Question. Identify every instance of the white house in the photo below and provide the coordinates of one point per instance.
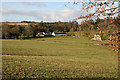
(59, 34)
(53, 34)
(43, 33)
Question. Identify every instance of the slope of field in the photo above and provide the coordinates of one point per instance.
(57, 57)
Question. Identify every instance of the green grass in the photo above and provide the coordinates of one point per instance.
(57, 57)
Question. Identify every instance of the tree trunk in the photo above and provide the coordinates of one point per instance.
(3, 37)
(34, 35)
(15, 37)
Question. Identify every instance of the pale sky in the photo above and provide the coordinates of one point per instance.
(39, 11)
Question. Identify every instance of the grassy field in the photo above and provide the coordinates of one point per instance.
(57, 57)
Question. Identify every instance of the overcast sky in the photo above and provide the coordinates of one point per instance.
(39, 11)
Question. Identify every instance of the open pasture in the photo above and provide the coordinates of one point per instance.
(57, 57)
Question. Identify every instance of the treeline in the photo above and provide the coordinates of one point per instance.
(102, 27)
(32, 29)
(86, 28)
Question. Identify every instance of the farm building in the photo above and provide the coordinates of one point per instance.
(51, 34)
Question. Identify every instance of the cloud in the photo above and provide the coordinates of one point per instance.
(38, 4)
(63, 15)
(1, 20)
(43, 15)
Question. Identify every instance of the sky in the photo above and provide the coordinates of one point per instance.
(39, 11)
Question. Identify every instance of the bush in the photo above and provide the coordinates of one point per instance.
(71, 33)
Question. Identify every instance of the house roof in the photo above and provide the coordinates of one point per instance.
(60, 33)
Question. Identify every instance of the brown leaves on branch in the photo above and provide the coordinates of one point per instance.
(103, 9)
(100, 8)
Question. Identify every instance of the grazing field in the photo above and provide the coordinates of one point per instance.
(57, 57)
